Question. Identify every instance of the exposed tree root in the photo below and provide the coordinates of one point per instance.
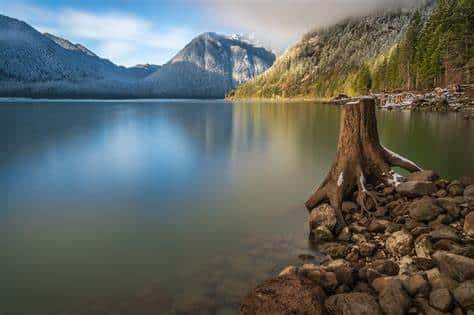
(360, 159)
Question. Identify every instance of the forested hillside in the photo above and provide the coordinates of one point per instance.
(415, 49)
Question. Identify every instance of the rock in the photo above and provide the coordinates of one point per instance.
(378, 226)
(441, 299)
(284, 295)
(388, 190)
(455, 188)
(400, 243)
(457, 267)
(469, 192)
(423, 263)
(290, 270)
(438, 280)
(366, 249)
(322, 234)
(444, 232)
(450, 206)
(345, 235)
(427, 308)
(415, 284)
(335, 250)
(343, 271)
(419, 230)
(319, 276)
(464, 294)
(424, 209)
(467, 180)
(416, 189)
(441, 193)
(469, 224)
(393, 299)
(423, 246)
(323, 216)
(423, 176)
(353, 304)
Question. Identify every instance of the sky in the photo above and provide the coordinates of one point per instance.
(130, 32)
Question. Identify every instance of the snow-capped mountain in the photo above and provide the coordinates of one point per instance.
(44, 65)
(210, 66)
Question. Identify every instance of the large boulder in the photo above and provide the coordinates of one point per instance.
(416, 188)
(441, 299)
(469, 192)
(284, 295)
(469, 224)
(423, 176)
(458, 267)
(353, 304)
(444, 232)
(323, 216)
(400, 243)
(464, 294)
(424, 209)
(393, 298)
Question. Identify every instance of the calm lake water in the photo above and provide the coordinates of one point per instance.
(146, 207)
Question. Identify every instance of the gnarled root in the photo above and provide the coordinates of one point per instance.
(360, 156)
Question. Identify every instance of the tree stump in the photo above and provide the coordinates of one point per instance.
(360, 159)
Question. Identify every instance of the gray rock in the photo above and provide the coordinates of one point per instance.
(439, 281)
(378, 226)
(464, 294)
(416, 189)
(353, 304)
(393, 299)
(423, 176)
(457, 267)
(455, 188)
(424, 209)
(469, 224)
(400, 243)
(469, 192)
(444, 232)
(415, 284)
(441, 299)
(323, 215)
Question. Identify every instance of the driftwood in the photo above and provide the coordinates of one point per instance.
(360, 160)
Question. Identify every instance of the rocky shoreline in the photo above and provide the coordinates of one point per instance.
(456, 98)
(413, 253)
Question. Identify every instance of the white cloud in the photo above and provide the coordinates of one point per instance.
(117, 36)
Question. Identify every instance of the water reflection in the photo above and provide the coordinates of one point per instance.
(123, 206)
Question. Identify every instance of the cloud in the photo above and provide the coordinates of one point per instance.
(284, 21)
(115, 35)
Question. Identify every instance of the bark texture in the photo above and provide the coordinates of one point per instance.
(360, 159)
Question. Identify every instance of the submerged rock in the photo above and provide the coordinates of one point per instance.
(284, 295)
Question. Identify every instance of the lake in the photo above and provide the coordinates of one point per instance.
(173, 206)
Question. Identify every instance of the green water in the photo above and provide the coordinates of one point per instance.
(146, 207)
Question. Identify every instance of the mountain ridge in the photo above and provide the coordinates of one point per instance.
(44, 65)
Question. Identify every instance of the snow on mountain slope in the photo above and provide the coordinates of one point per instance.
(210, 66)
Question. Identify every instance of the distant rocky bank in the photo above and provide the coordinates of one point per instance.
(456, 98)
(413, 253)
